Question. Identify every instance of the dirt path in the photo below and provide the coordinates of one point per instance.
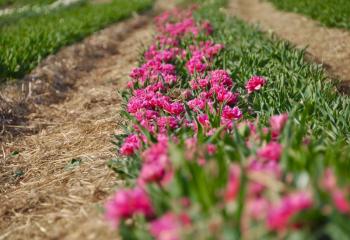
(328, 46)
(43, 196)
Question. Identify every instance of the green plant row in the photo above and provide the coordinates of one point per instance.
(32, 12)
(315, 141)
(24, 44)
(297, 83)
(299, 87)
(18, 3)
(332, 13)
(318, 112)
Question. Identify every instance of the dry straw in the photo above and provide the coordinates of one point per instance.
(54, 182)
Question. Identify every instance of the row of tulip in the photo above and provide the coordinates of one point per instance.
(201, 164)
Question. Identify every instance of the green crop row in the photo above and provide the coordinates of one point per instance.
(333, 13)
(18, 3)
(24, 44)
(318, 112)
(298, 86)
(315, 141)
(12, 19)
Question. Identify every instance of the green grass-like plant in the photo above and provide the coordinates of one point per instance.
(19, 3)
(24, 44)
(297, 84)
(316, 138)
(332, 13)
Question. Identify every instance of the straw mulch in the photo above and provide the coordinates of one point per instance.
(54, 180)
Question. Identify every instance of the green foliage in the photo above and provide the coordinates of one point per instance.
(333, 13)
(317, 111)
(26, 43)
(294, 84)
(12, 19)
(18, 3)
(315, 138)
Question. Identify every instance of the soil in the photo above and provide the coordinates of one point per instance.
(53, 173)
(328, 46)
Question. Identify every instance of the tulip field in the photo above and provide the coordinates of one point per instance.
(233, 136)
(227, 132)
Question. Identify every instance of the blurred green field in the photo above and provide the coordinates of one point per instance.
(31, 11)
(29, 39)
(17, 3)
(332, 13)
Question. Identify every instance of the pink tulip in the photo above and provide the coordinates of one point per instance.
(170, 226)
(126, 203)
(131, 144)
(277, 123)
(280, 215)
(255, 84)
(271, 152)
(233, 184)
